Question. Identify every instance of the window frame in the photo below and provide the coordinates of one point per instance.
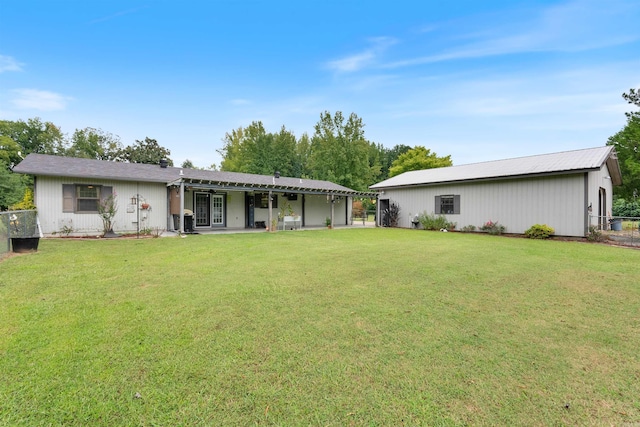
(71, 197)
(455, 204)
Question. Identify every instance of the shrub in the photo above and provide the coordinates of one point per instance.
(393, 214)
(26, 203)
(493, 227)
(539, 231)
(624, 208)
(433, 222)
(595, 235)
(468, 228)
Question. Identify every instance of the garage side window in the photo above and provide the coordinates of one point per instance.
(447, 205)
(83, 198)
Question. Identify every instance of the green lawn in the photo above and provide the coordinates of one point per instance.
(327, 327)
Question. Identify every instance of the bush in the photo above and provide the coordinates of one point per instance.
(539, 231)
(468, 228)
(623, 208)
(493, 227)
(393, 214)
(595, 235)
(433, 222)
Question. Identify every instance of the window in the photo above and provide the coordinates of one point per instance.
(447, 205)
(262, 201)
(83, 198)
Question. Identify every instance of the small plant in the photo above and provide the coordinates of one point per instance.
(539, 231)
(393, 214)
(493, 228)
(433, 222)
(107, 210)
(156, 232)
(595, 235)
(66, 230)
(327, 221)
(468, 229)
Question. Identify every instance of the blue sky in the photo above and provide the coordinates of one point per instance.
(474, 80)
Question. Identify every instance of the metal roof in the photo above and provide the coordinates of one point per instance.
(544, 164)
(47, 165)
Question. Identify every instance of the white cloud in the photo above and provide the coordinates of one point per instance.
(568, 27)
(363, 59)
(33, 99)
(8, 63)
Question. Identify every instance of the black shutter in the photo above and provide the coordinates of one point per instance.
(68, 197)
(456, 204)
(437, 209)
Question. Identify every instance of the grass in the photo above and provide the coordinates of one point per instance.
(344, 327)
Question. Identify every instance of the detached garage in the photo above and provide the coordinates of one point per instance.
(568, 191)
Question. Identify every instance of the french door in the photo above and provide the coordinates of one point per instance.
(209, 209)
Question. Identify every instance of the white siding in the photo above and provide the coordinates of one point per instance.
(318, 209)
(48, 200)
(558, 201)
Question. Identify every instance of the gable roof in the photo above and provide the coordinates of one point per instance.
(47, 165)
(545, 164)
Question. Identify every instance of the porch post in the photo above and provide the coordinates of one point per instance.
(333, 200)
(181, 207)
(269, 225)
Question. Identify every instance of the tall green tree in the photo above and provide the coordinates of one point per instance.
(9, 151)
(34, 136)
(339, 151)
(254, 150)
(633, 98)
(418, 158)
(303, 151)
(387, 156)
(231, 151)
(627, 145)
(147, 151)
(95, 144)
(12, 187)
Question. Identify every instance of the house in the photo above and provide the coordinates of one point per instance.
(68, 190)
(569, 191)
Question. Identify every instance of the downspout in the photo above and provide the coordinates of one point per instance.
(587, 207)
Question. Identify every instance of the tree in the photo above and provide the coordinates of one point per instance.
(633, 98)
(232, 160)
(388, 156)
(418, 158)
(253, 150)
(34, 136)
(95, 144)
(627, 145)
(9, 151)
(147, 151)
(339, 151)
(187, 164)
(12, 188)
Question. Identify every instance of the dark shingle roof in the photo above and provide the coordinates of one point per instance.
(41, 164)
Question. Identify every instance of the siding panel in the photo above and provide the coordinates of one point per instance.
(516, 203)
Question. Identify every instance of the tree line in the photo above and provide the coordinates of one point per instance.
(337, 151)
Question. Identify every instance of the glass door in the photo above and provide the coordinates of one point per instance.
(202, 210)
